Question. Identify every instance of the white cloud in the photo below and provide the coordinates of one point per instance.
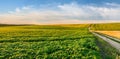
(25, 7)
(113, 4)
(67, 13)
(17, 10)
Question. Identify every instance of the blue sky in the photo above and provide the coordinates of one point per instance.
(59, 11)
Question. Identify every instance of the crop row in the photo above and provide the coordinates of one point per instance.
(42, 43)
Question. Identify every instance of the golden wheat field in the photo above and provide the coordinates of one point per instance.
(111, 33)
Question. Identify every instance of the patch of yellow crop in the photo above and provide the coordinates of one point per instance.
(111, 33)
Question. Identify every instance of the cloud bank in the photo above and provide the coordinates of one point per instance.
(72, 13)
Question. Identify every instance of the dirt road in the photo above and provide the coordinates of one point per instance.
(111, 42)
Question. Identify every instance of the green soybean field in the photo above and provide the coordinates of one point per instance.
(49, 42)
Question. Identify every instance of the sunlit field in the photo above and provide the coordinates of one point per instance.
(48, 41)
(111, 33)
(106, 27)
(52, 42)
(112, 29)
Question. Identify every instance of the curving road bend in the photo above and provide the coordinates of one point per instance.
(111, 42)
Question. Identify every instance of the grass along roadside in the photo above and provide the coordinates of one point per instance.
(106, 50)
